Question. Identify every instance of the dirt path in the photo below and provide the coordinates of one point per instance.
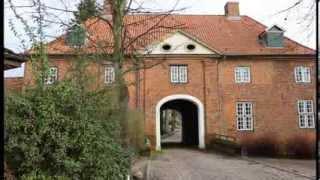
(186, 164)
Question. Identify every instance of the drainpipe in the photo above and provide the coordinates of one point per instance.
(204, 96)
(137, 73)
(144, 91)
(219, 97)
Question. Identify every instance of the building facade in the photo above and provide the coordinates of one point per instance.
(227, 75)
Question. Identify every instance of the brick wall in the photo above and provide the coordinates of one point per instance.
(13, 83)
(272, 90)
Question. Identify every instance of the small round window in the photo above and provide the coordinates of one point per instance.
(166, 47)
(191, 47)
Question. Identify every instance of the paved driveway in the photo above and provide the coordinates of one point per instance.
(187, 164)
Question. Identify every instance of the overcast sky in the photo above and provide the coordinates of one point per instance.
(265, 11)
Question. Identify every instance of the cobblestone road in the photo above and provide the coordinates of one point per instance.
(187, 164)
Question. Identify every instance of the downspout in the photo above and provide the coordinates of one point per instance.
(137, 73)
(219, 96)
(204, 96)
(144, 91)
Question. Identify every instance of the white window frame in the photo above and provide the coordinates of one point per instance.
(109, 74)
(179, 73)
(302, 74)
(239, 74)
(243, 116)
(305, 113)
(52, 76)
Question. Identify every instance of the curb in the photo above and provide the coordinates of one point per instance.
(147, 171)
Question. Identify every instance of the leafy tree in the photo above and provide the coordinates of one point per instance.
(65, 131)
(76, 34)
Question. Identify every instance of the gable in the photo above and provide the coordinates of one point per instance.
(275, 28)
(178, 43)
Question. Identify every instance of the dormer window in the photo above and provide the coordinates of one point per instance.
(272, 37)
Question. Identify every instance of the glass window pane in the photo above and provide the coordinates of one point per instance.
(52, 76)
(109, 74)
(244, 115)
(179, 73)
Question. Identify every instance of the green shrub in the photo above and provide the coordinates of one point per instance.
(62, 131)
(134, 131)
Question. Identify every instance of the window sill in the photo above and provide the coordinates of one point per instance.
(245, 130)
(303, 83)
(109, 84)
(311, 128)
(243, 83)
(179, 83)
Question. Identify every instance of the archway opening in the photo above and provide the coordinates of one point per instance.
(179, 123)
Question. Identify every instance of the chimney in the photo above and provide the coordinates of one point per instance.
(232, 10)
(107, 10)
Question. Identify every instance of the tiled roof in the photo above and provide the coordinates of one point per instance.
(12, 60)
(228, 37)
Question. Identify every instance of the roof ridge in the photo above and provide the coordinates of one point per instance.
(207, 28)
(154, 14)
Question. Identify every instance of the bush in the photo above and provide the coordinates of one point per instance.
(63, 131)
(134, 132)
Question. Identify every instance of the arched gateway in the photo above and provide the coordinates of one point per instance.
(200, 117)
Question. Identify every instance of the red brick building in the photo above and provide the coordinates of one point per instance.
(11, 61)
(226, 74)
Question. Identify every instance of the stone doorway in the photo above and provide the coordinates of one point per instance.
(190, 115)
(179, 123)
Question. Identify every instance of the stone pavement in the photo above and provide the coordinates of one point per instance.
(189, 164)
(176, 137)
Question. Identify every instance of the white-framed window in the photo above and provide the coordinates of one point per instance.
(179, 73)
(244, 116)
(109, 74)
(302, 74)
(306, 114)
(242, 74)
(52, 76)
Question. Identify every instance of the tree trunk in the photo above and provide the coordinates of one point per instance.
(118, 59)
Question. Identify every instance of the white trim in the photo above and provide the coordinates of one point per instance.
(306, 125)
(305, 78)
(179, 73)
(243, 111)
(201, 120)
(109, 74)
(242, 78)
(52, 75)
(275, 25)
(178, 41)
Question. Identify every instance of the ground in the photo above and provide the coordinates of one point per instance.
(175, 137)
(189, 164)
